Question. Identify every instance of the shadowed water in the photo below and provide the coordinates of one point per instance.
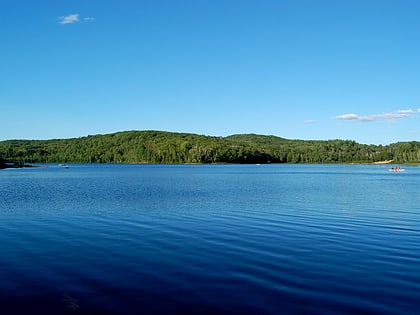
(205, 239)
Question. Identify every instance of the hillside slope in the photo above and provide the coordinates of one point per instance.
(170, 147)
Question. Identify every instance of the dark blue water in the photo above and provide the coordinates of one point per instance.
(210, 239)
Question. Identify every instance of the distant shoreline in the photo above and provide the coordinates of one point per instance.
(159, 147)
(7, 165)
(383, 162)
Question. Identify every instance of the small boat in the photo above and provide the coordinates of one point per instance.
(396, 169)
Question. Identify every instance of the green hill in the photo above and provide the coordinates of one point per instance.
(170, 147)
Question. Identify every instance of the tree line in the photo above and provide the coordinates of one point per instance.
(162, 147)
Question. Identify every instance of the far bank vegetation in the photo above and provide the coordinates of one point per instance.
(179, 148)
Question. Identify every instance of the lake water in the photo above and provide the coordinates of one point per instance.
(210, 239)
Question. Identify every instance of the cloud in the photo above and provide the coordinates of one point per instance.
(75, 18)
(309, 121)
(69, 19)
(399, 114)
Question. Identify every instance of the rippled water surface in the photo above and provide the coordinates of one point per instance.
(210, 239)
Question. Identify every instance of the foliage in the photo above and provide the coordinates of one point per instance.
(168, 147)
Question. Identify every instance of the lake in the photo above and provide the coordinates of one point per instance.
(210, 239)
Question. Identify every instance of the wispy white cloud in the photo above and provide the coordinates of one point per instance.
(309, 121)
(69, 19)
(75, 18)
(399, 114)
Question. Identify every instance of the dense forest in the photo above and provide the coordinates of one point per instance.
(169, 147)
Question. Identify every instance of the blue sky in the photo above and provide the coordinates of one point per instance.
(295, 69)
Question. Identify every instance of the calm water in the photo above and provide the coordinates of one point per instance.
(210, 239)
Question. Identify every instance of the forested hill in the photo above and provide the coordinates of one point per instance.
(170, 147)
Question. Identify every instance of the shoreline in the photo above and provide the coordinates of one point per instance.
(383, 162)
(9, 165)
